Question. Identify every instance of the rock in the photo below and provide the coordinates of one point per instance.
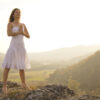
(50, 92)
(10, 84)
(84, 97)
(96, 97)
(87, 97)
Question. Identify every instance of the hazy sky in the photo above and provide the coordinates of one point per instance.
(53, 24)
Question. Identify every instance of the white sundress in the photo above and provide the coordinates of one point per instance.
(16, 56)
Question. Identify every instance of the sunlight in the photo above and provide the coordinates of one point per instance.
(53, 24)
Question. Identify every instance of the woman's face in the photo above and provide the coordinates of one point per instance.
(17, 14)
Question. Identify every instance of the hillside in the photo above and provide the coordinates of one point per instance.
(86, 72)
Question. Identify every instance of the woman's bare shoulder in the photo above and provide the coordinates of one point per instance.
(22, 24)
(10, 24)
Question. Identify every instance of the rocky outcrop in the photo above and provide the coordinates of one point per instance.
(48, 92)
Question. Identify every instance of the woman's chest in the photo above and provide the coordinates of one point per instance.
(15, 29)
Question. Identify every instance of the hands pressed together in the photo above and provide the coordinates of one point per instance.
(21, 31)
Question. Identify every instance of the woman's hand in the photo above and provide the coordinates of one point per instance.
(21, 29)
(25, 31)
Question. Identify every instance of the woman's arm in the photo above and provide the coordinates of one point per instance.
(9, 30)
(26, 33)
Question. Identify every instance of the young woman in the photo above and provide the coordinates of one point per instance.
(16, 56)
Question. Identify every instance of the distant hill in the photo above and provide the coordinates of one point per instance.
(58, 58)
(86, 72)
(64, 53)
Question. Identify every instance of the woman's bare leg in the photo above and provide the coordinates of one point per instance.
(5, 76)
(22, 76)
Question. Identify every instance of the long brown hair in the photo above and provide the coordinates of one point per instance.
(11, 18)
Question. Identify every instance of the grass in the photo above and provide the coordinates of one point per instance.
(31, 76)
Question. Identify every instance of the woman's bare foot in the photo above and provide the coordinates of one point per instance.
(4, 90)
(25, 86)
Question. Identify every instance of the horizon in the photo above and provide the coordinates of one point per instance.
(61, 48)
